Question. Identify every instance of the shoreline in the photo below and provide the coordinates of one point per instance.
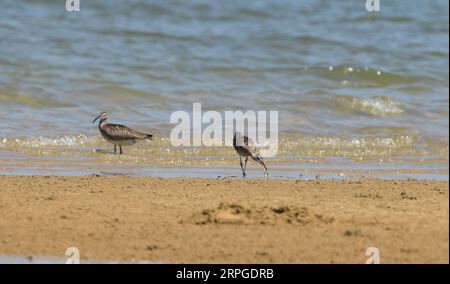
(231, 220)
(300, 157)
(276, 172)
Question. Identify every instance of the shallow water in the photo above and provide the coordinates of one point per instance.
(300, 157)
(355, 91)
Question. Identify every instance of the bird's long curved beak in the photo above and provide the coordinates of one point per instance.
(96, 119)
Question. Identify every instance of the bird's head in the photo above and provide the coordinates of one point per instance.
(102, 116)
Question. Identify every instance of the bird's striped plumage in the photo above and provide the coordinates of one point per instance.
(121, 132)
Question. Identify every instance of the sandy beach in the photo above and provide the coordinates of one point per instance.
(185, 220)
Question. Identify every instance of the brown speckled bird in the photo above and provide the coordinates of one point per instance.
(245, 147)
(119, 135)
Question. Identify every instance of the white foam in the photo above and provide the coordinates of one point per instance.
(39, 141)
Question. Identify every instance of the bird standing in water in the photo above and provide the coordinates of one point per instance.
(119, 135)
(244, 146)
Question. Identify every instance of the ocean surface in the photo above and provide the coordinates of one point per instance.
(358, 93)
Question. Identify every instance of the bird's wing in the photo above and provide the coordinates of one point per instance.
(123, 132)
(244, 143)
(250, 145)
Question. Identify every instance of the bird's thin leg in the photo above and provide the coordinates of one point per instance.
(115, 149)
(245, 164)
(120, 147)
(243, 171)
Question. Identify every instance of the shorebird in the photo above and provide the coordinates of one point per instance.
(119, 135)
(245, 147)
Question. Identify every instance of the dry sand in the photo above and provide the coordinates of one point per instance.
(225, 221)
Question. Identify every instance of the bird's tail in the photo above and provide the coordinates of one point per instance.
(149, 136)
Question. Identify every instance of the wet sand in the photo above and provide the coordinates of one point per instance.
(180, 220)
